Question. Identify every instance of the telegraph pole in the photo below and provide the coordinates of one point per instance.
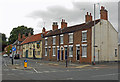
(94, 35)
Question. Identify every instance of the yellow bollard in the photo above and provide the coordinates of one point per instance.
(25, 63)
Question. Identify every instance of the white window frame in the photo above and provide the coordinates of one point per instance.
(54, 37)
(54, 53)
(70, 34)
(45, 51)
(46, 40)
(84, 45)
(70, 55)
(85, 31)
(60, 39)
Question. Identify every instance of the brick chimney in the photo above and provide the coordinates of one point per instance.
(23, 37)
(103, 13)
(19, 36)
(63, 24)
(29, 34)
(54, 26)
(88, 18)
(43, 30)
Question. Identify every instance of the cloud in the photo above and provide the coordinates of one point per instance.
(75, 15)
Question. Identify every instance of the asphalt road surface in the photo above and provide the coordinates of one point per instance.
(41, 71)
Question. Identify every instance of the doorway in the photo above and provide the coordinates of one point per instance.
(61, 53)
(34, 53)
(26, 53)
(65, 53)
(77, 53)
(58, 54)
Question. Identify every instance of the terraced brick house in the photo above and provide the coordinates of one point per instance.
(75, 43)
(17, 45)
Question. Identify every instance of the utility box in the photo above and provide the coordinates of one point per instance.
(25, 63)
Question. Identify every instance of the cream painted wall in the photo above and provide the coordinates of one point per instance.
(30, 45)
(106, 40)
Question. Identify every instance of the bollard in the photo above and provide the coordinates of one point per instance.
(25, 63)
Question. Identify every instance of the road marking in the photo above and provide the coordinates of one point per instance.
(35, 70)
(106, 74)
(46, 71)
(5, 64)
(82, 66)
(53, 71)
(69, 78)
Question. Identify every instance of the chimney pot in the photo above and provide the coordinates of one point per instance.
(90, 14)
(87, 13)
(54, 26)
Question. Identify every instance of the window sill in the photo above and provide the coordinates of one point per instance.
(54, 55)
(70, 42)
(84, 41)
(84, 56)
(70, 56)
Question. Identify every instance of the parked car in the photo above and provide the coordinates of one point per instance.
(17, 56)
(5, 55)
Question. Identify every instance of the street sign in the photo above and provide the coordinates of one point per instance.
(13, 49)
(25, 60)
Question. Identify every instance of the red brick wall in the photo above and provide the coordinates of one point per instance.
(77, 40)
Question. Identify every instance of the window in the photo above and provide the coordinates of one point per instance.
(38, 45)
(54, 51)
(38, 53)
(84, 36)
(45, 51)
(61, 39)
(46, 41)
(30, 52)
(54, 38)
(71, 51)
(84, 50)
(70, 37)
(115, 52)
(17, 47)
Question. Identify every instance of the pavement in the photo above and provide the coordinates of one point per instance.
(50, 70)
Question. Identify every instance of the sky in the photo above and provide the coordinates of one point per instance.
(42, 13)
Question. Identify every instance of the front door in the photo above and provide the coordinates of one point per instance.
(49, 54)
(78, 53)
(66, 53)
(58, 55)
(26, 53)
(61, 54)
(34, 53)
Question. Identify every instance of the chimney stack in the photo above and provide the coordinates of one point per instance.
(29, 34)
(43, 30)
(19, 36)
(23, 37)
(54, 26)
(103, 13)
(88, 17)
(63, 24)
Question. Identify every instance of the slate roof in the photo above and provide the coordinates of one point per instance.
(32, 38)
(72, 28)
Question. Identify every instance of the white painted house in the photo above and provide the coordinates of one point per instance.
(106, 39)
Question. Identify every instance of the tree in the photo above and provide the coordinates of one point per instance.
(3, 42)
(20, 29)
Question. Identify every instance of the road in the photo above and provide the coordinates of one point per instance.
(43, 71)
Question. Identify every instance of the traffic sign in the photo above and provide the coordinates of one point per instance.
(25, 60)
(13, 49)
